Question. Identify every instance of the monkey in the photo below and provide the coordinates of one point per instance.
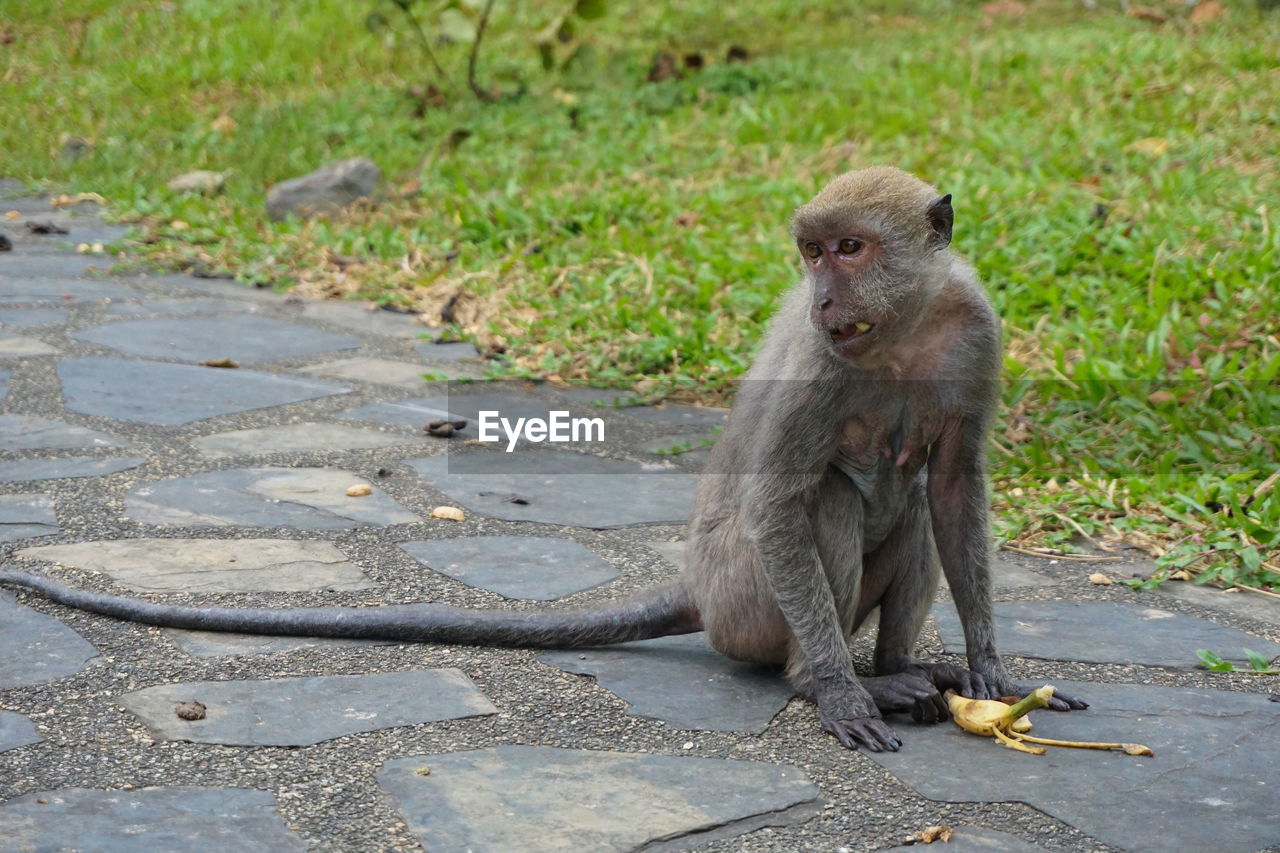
(850, 476)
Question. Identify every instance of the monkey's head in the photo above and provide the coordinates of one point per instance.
(873, 245)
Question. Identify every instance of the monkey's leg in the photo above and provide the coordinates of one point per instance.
(901, 577)
(847, 709)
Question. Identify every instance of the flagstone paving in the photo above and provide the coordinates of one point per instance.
(305, 711)
(126, 466)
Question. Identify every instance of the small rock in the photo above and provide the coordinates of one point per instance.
(45, 227)
(359, 490)
(1100, 579)
(199, 181)
(190, 710)
(327, 189)
(449, 513)
(444, 429)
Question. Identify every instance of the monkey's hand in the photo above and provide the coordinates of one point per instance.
(1002, 685)
(908, 691)
(849, 713)
(945, 676)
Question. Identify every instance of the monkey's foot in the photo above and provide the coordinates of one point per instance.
(907, 691)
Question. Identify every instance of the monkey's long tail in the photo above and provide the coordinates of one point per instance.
(662, 612)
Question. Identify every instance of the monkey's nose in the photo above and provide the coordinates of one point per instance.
(824, 305)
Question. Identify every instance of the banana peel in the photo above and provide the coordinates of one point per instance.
(1009, 724)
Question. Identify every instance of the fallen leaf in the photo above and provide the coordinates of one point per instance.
(1152, 146)
(1209, 10)
(1181, 575)
(66, 200)
(223, 124)
(1160, 397)
(359, 490)
(1146, 13)
(448, 513)
(1100, 579)
(12, 214)
(687, 219)
(930, 834)
(220, 362)
(179, 225)
(1004, 9)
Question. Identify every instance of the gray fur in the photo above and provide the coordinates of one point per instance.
(842, 463)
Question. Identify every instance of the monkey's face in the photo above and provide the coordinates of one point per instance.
(852, 297)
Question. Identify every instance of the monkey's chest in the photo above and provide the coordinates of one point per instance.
(883, 461)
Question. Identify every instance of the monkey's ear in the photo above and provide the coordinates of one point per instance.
(941, 218)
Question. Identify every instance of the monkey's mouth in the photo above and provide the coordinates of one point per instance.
(850, 332)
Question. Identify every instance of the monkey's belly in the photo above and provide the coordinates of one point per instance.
(884, 488)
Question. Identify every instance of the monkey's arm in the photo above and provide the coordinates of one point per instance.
(777, 509)
(957, 489)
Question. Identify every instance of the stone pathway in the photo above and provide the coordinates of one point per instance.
(127, 465)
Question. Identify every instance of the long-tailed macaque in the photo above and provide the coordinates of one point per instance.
(853, 458)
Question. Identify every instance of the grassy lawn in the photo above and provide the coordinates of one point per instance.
(1115, 181)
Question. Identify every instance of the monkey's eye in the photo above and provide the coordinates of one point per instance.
(813, 250)
(850, 246)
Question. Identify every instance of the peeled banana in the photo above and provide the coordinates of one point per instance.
(1009, 723)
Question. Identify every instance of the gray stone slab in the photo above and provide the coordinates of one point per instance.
(146, 821)
(559, 487)
(155, 307)
(20, 470)
(595, 398)
(25, 516)
(305, 498)
(210, 565)
(1211, 785)
(1234, 602)
(384, 371)
(1009, 574)
(356, 317)
(414, 414)
(59, 291)
(294, 438)
(31, 318)
(683, 682)
(16, 730)
(681, 445)
(215, 644)
(542, 799)
(677, 415)
(533, 567)
(1104, 632)
(172, 394)
(35, 648)
(23, 347)
(304, 711)
(245, 338)
(26, 432)
(443, 353)
(672, 552)
(17, 269)
(979, 839)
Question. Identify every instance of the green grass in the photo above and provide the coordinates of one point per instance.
(601, 227)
